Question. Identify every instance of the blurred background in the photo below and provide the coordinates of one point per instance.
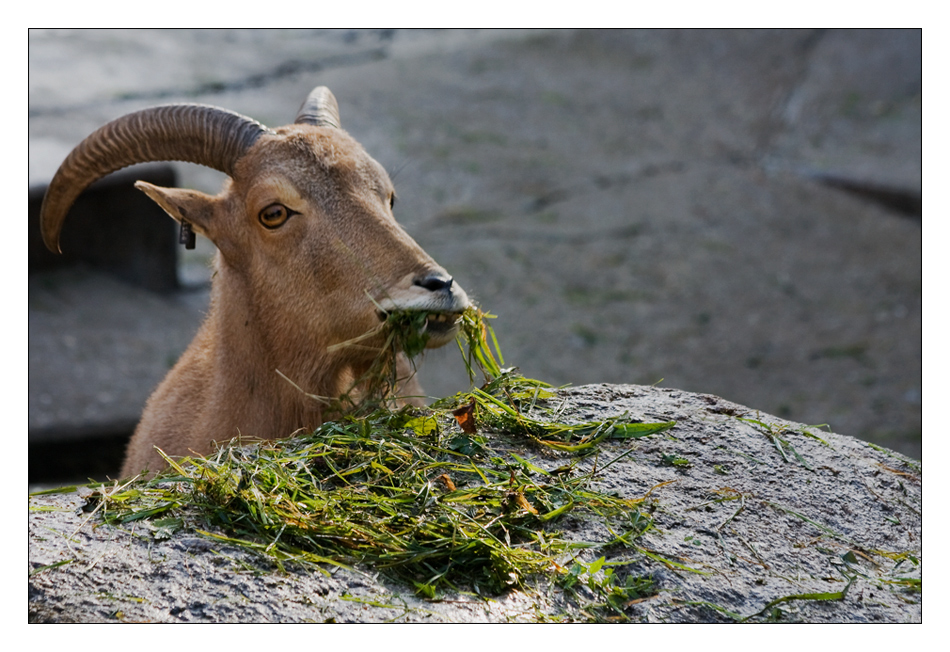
(725, 212)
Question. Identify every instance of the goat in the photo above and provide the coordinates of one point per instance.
(309, 256)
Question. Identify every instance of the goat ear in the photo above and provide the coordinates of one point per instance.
(190, 206)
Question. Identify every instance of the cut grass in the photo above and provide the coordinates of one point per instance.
(428, 505)
(432, 497)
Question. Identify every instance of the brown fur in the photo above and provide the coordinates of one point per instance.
(280, 297)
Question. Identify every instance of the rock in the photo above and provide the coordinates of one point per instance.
(754, 518)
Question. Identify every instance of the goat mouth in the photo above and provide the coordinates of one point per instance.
(442, 323)
(440, 327)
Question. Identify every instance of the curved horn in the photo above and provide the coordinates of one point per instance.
(194, 133)
(319, 109)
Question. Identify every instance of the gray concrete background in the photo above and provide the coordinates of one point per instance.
(634, 206)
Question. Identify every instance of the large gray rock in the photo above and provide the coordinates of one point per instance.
(774, 520)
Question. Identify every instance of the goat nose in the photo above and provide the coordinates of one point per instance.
(434, 282)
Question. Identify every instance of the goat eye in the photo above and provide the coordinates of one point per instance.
(274, 215)
(392, 200)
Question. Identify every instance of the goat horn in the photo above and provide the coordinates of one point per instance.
(319, 109)
(195, 133)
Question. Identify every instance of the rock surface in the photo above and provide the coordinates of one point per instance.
(770, 520)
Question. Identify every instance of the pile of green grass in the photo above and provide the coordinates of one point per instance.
(441, 498)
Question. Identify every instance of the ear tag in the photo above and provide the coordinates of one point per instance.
(186, 236)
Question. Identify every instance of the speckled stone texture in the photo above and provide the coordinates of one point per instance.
(748, 509)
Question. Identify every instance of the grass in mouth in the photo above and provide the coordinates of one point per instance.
(439, 498)
(405, 333)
